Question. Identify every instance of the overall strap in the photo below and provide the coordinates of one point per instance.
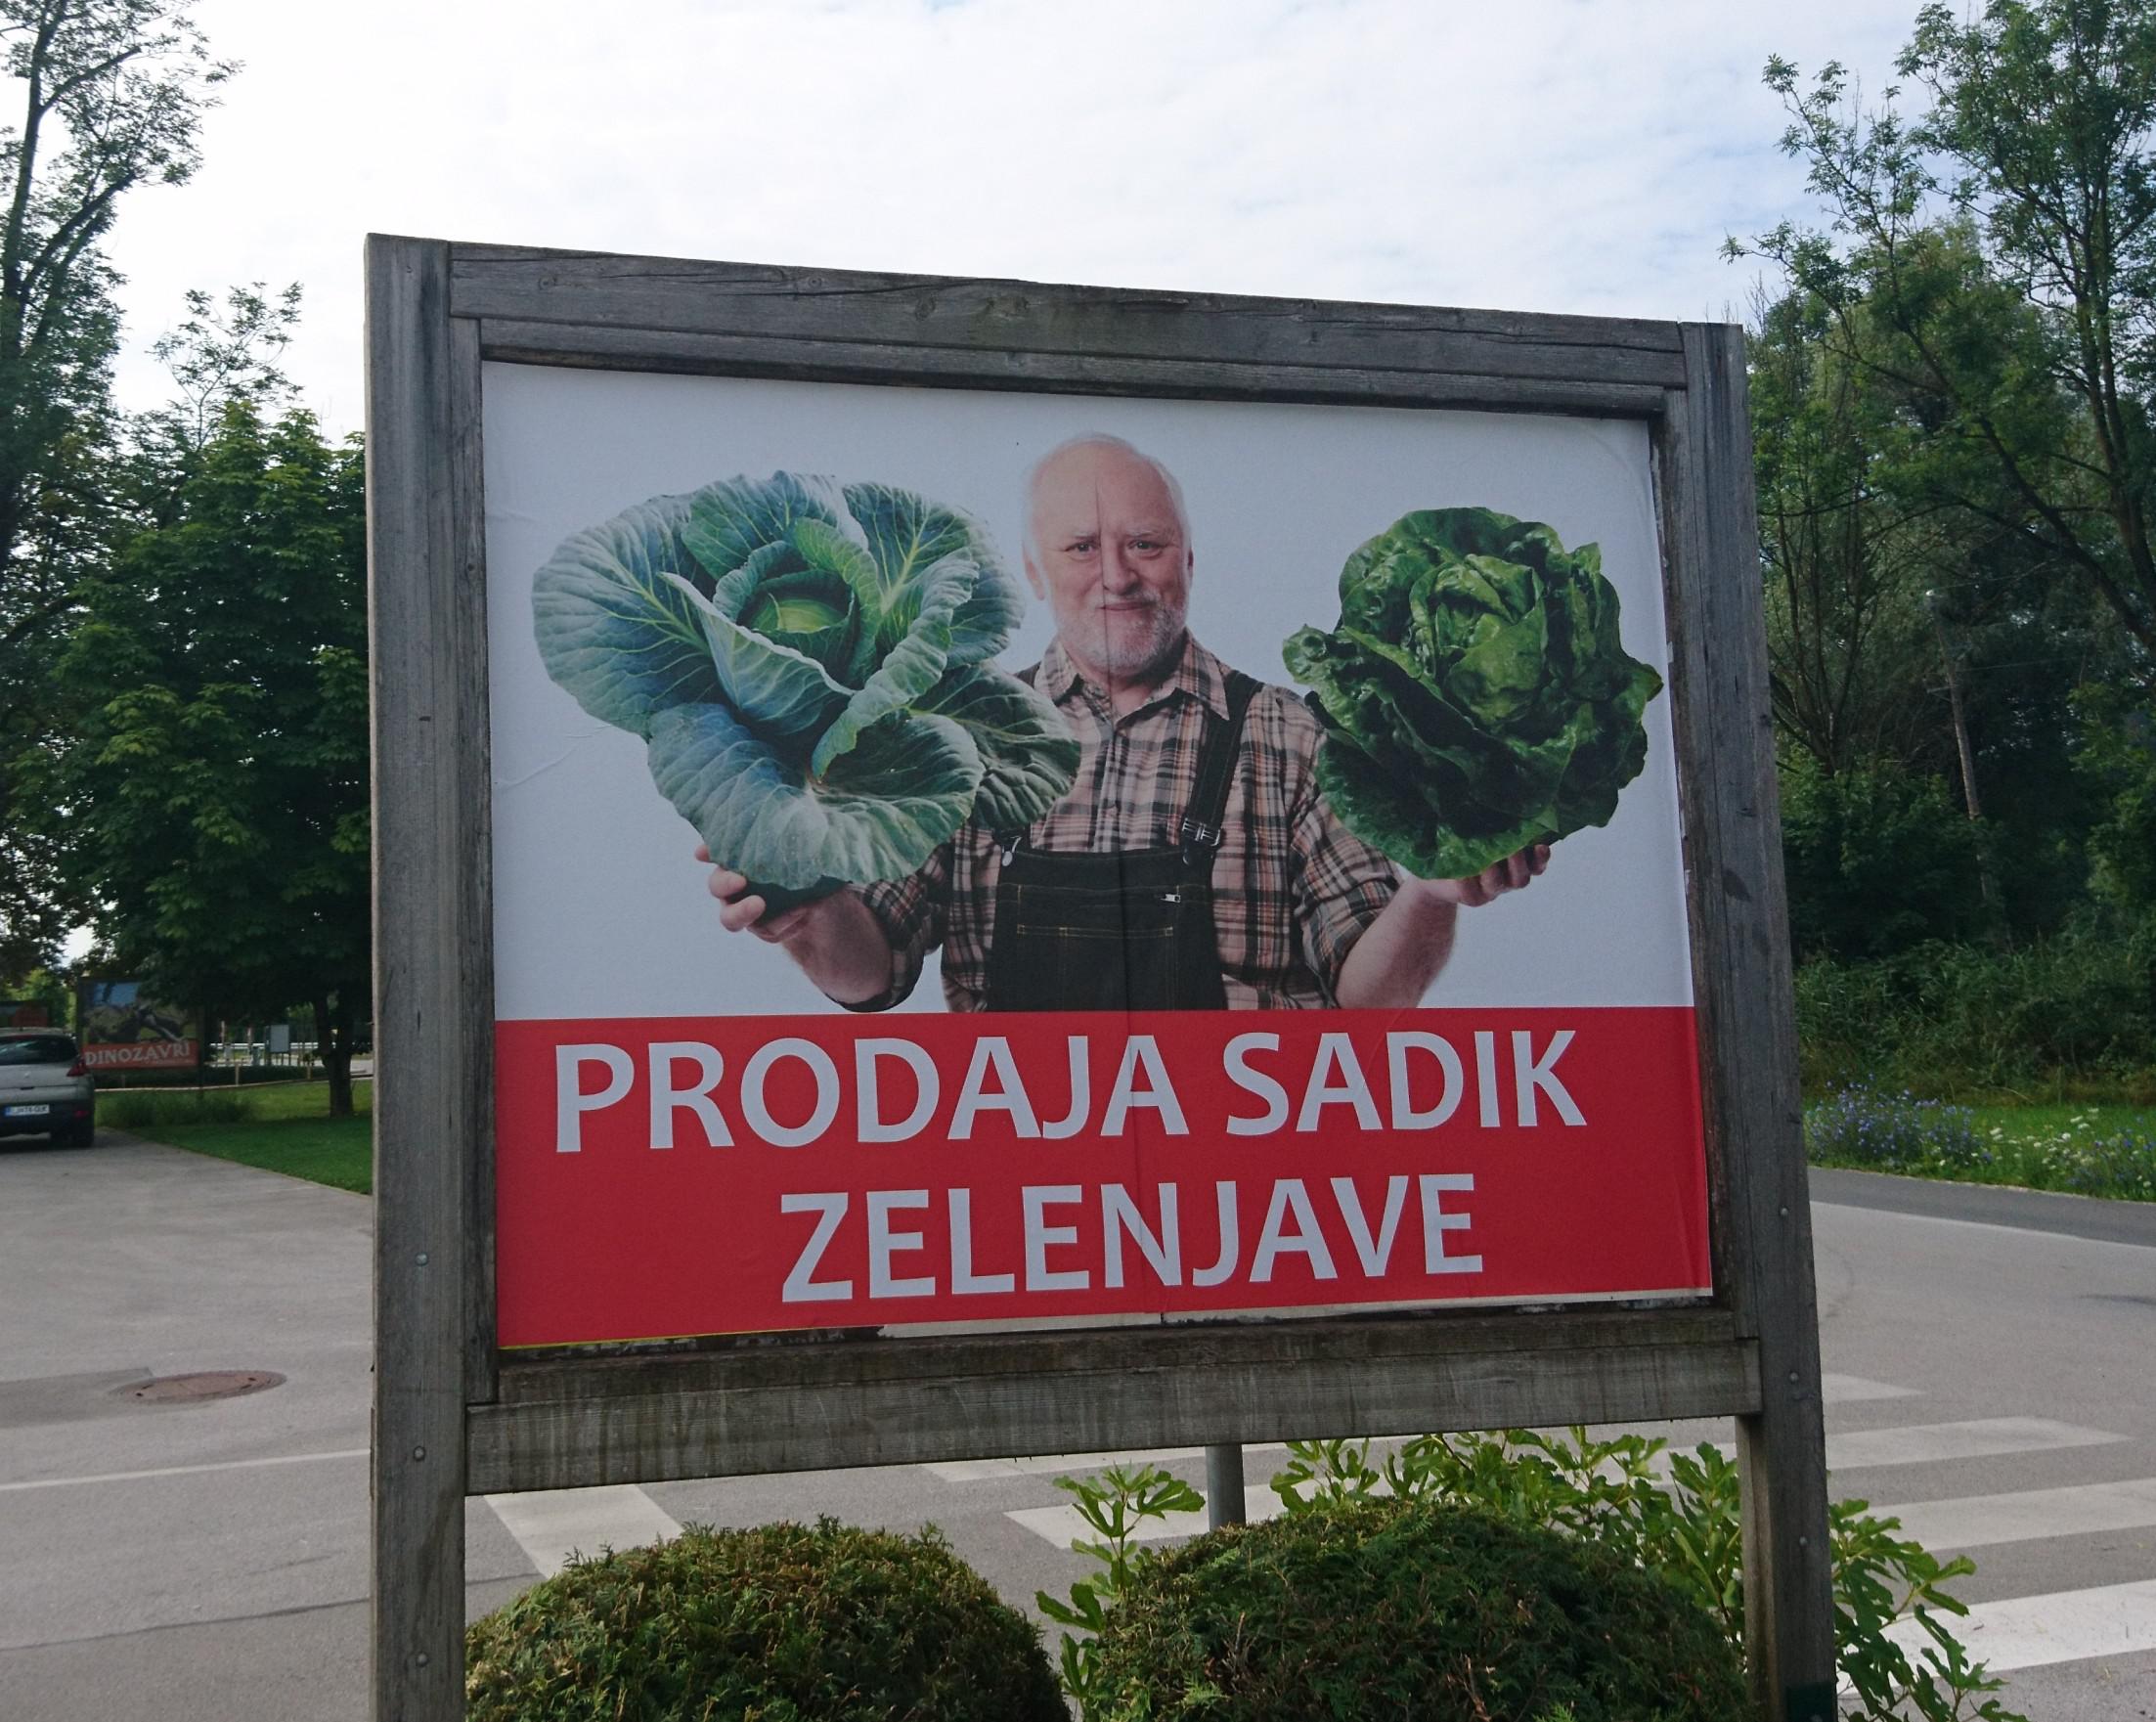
(1202, 828)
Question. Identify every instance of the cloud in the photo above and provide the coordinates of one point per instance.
(1546, 155)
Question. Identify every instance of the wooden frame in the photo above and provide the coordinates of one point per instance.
(453, 1418)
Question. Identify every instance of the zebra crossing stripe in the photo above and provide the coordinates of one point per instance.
(1920, 1443)
(1851, 1390)
(1976, 1521)
(552, 1525)
(2061, 1626)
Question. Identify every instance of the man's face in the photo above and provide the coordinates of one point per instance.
(1111, 555)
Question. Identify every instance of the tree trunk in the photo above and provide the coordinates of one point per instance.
(334, 1033)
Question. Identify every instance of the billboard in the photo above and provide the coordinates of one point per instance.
(25, 1013)
(123, 1026)
(1000, 860)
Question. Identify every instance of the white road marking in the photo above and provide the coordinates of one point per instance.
(69, 1482)
(552, 1525)
(2063, 1626)
(1920, 1444)
(1850, 1389)
(1976, 1521)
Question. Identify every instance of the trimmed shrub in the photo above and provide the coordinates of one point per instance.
(1385, 1608)
(780, 1623)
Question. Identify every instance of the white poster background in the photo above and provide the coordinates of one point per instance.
(601, 909)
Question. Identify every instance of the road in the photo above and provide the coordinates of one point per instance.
(1988, 1358)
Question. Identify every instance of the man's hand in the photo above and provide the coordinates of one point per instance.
(1493, 881)
(838, 945)
(740, 912)
(1400, 952)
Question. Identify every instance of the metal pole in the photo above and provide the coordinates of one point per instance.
(1225, 1486)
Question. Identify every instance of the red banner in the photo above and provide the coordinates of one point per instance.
(661, 1178)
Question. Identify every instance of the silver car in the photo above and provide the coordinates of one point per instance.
(45, 1088)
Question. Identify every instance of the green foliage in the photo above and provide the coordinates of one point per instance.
(108, 96)
(1115, 1505)
(809, 665)
(1476, 696)
(1878, 861)
(2003, 246)
(1377, 1609)
(1679, 1518)
(1850, 546)
(780, 1623)
(2118, 762)
(213, 793)
(2074, 1011)
(2079, 1150)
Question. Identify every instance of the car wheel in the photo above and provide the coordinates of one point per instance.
(79, 1136)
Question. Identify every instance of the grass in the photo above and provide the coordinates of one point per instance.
(2088, 1149)
(286, 1129)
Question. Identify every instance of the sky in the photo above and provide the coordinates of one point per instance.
(1568, 155)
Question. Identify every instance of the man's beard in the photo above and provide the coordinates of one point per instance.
(1142, 655)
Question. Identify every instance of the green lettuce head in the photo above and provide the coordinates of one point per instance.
(808, 665)
(1476, 696)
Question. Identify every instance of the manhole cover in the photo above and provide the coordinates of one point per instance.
(209, 1384)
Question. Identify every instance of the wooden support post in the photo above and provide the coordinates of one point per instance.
(426, 622)
(1225, 1486)
(1747, 1014)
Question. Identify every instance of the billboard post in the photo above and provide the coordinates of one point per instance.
(1534, 1158)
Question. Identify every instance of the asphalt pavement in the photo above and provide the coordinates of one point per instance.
(1988, 1358)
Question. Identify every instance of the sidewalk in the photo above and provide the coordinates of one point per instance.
(203, 1559)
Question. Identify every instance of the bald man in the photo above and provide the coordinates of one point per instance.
(1193, 865)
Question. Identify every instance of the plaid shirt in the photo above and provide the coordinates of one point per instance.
(1292, 890)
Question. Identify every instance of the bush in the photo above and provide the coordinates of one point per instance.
(1626, 1499)
(2077, 1011)
(1682, 1521)
(781, 1623)
(1879, 860)
(1402, 1609)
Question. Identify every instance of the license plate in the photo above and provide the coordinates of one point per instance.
(24, 1110)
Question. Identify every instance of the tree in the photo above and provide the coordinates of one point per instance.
(213, 796)
(1848, 556)
(2035, 148)
(112, 96)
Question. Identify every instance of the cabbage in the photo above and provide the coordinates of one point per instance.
(808, 665)
(1476, 698)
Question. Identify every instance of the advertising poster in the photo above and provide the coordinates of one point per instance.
(988, 859)
(122, 1026)
(24, 1013)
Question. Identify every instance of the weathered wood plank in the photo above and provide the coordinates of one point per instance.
(810, 1363)
(847, 361)
(467, 474)
(427, 729)
(712, 298)
(560, 1426)
(1746, 1015)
